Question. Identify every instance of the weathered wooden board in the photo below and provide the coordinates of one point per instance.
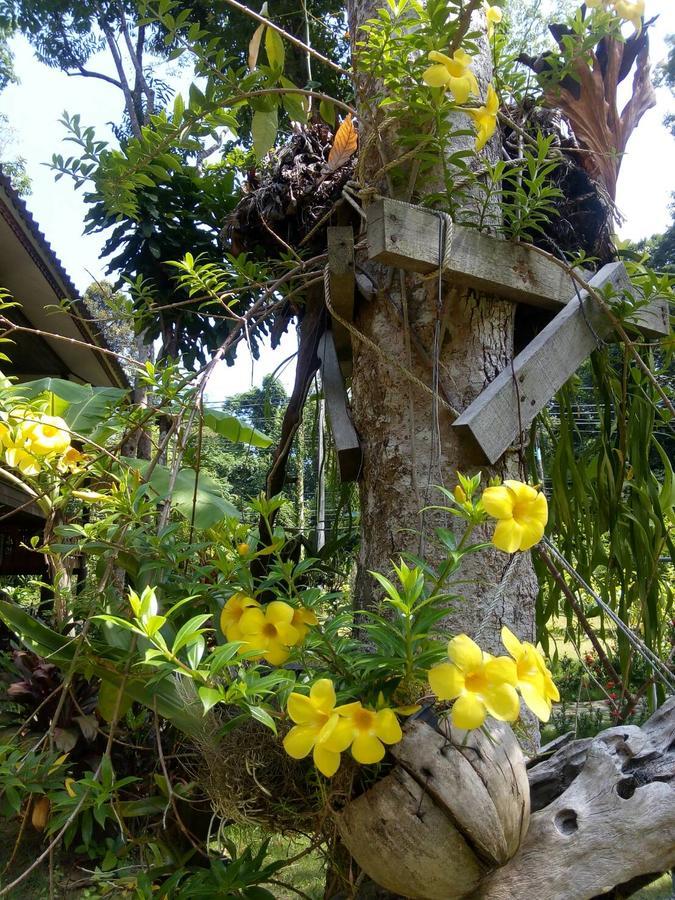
(345, 438)
(407, 237)
(342, 289)
(520, 391)
(14, 498)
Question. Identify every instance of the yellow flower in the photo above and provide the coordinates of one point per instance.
(269, 631)
(72, 459)
(18, 458)
(68, 784)
(477, 682)
(485, 118)
(5, 435)
(88, 496)
(243, 548)
(231, 615)
(522, 511)
(494, 15)
(631, 12)
(319, 727)
(453, 73)
(47, 435)
(535, 682)
(370, 730)
(302, 619)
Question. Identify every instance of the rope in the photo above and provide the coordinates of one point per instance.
(657, 666)
(374, 347)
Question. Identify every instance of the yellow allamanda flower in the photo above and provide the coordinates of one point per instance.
(535, 681)
(478, 683)
(453, 73)
(301, 621)
(19, 458)
(269, 632)
(493, 15)
(632, 12)
(232, 612)
(44, 435)
(485, 118)
(320, 728)
(522, 511)
(71, 460)
(5, 434)
(370, 730)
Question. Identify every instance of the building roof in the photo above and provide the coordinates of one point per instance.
(35, 277)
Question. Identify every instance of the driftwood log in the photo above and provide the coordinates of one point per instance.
(452, 819)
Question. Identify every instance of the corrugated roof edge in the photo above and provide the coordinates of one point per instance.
(55, 263)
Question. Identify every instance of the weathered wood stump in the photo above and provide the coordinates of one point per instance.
(454, 808)
(452, 819)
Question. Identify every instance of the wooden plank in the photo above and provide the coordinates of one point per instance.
(520, 391)
(341, 271)
(407, 237)
(13, 497)
(345, 438)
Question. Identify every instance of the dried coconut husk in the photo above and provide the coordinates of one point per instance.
(454, 808)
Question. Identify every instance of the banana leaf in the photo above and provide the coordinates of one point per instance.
(61, 649)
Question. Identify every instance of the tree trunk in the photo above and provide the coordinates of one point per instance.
(407, 440)
(459, 340)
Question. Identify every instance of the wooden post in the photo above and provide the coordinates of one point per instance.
(345, 438)
(342, 289)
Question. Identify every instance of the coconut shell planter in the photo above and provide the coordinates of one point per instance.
(454, 808)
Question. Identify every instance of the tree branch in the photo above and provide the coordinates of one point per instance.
(87, 73)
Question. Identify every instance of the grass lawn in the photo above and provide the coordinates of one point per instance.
(306, 875)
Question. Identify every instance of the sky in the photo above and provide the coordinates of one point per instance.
(36, 104)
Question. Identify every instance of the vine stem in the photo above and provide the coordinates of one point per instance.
(294, 90)
(289, 37)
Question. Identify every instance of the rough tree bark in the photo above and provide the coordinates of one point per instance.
(407, 439)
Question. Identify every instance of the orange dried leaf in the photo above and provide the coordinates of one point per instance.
(344, 144)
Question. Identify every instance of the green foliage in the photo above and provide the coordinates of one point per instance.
(24, 774)
(612, 494)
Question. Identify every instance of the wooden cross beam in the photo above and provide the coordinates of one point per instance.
(406, 237)
(345, 438)
(508, 405)
(342, 290)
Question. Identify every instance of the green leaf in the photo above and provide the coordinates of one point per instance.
(232, 429)
(209, 506)
(148, 806)
(62, 650)
(296, 105)
(209, 697)
(70, 391)
(188, 631)
(263, 716)
(264, 130)
(107, 701)
(274, 48)
(327, 112)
